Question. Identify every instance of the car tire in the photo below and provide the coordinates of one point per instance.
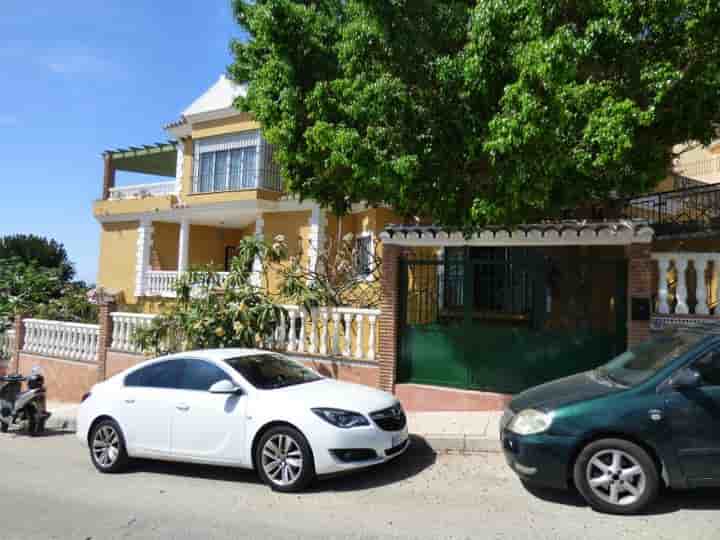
(284, 460)
(616, 476)
(108, 452)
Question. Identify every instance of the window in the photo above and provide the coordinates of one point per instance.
(201, 375)
(269, 371)
(709, 368)
(227, 170)
(363, 255)
(160, 375)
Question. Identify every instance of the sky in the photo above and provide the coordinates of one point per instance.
(81, 76)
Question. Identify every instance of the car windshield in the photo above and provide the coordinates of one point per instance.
(269, 371)
(640, 363)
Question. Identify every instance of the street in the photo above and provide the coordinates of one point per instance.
(51, 490)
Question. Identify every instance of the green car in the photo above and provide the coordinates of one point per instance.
(650, 417)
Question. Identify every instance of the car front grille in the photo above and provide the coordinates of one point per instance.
(390, 419)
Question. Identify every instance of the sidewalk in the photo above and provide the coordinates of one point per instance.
(462, 432)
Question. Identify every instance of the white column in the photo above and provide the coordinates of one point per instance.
(184, 245)
(663, 267)
(701, 294)
(372, 319)
(256, 278)
(681, 264)
(179, 165)
(142, 256)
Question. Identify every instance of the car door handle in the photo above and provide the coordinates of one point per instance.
(129, 400)
(182, 407)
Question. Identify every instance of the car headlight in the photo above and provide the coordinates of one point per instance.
(530, 422)
(340, 418)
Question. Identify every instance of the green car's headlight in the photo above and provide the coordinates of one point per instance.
(530, 422)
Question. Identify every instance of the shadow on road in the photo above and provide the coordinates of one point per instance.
(417, 458)
(44, 434)
(668, 501)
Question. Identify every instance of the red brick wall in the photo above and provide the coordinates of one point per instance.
(66, 380)
(388, 322)
(640, 275)
(360, 374)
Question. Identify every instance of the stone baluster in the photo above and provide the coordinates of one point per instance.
(280, 333)
(336, 333)
(701, 291)
(324, 331)
(663, 268)
(301, 339)
(313, 331)
(347, 346)
(359, 321)
(372, 319)
(681, 264)
(292, 343)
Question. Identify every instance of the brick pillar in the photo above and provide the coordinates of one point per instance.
(14, 366)
(108, 176)
(640, 274)
(389, 321)
(105, 338)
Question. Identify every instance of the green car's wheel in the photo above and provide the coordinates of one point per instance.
(616, 476)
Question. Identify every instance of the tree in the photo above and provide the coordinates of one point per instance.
(478, 111)
(45, 253)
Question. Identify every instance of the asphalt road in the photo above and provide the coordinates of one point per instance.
(51, 490)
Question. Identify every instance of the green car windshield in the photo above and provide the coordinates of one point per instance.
(640, 363)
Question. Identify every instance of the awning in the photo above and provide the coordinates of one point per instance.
(159, 159)
(563, 233)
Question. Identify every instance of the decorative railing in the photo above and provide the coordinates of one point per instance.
(144, 191)
(701, 168)
(73, 341)
(7, 344)
(163, 282)
(686, 210)
(688, 283)
(331, 332)
(340, 331)
(124, 326)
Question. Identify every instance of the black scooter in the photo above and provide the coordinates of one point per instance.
(28, 407)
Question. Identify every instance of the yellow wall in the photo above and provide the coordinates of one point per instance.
(234, 124)
(118, 247)
(133, 206)
(295, 226)
(164, 254)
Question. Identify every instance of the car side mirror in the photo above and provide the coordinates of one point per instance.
(225, 387)
(686, 378)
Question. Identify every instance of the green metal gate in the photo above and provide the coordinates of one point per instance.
(505, 319)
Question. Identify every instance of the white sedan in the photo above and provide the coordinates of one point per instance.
(240, 407)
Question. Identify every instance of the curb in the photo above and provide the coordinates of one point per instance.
(61, 423)
(462, 444)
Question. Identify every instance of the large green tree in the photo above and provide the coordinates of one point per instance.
(45, 253)
(484, 111)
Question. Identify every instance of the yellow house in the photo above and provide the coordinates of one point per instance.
(222, 185)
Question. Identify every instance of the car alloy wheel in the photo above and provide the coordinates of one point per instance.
(616, 477)
(107, 447)
(284, 459)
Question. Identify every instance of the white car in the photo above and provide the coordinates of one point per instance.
(240, 407)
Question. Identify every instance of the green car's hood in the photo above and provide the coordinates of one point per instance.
(554, 394)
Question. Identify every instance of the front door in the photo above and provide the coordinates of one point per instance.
(695, 422)
(207, 427)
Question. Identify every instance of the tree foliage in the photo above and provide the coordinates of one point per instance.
(43, 252)
(476, 112)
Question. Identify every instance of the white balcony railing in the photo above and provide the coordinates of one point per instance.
(144, 191)
(7, 344)
(704, 168)
(329, 332)
(73, 341)
(688, 283)
(162, 282)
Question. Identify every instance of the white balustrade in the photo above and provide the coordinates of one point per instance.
(72, 341)
(330, 332)
(673, 293)
(124, 326)
(162, 282)
(143, 191)
(7, 344)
